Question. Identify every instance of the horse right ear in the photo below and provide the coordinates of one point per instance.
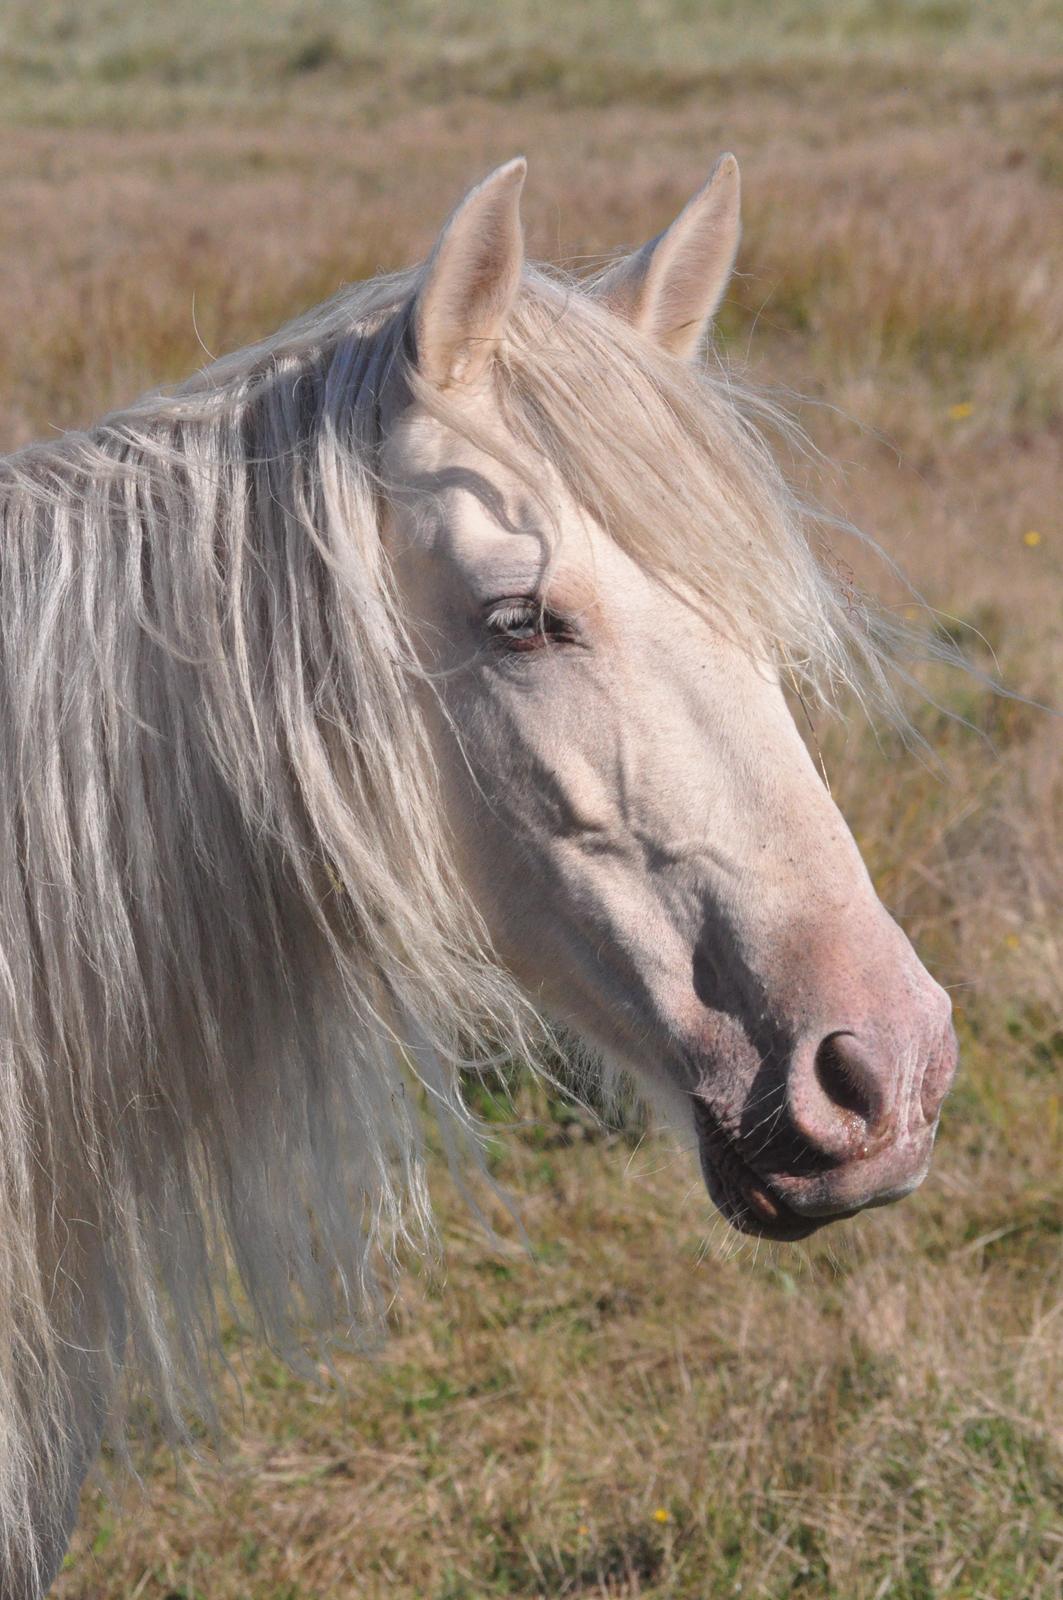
(471, 280)
(672, 287)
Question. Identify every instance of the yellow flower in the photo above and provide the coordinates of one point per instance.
(661, 1515)
(1012, 941)
(962, 409)
(1031, 539)
(583, 1530)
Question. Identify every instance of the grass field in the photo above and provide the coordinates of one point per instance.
(637, 1407)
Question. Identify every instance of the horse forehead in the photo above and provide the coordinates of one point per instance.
(421, 446)
(476, 511)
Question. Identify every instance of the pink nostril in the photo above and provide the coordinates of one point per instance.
(836, 1099)
(937, 1080)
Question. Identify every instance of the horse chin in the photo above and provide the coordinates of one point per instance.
(751, 1207)
(743, 1198)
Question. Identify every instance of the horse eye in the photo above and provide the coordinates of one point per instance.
(526, 625)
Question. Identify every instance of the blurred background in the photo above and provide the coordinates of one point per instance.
(640, 1405)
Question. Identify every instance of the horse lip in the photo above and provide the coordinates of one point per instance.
(755, 1208)
(745, 1199)
(826, 1207)
(774, 1207)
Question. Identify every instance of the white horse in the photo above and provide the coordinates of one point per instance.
(396, 683)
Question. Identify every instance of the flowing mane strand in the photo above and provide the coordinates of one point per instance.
(230, 931)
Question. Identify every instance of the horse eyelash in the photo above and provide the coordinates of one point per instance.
(528, 612)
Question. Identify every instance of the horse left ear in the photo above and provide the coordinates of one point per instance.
(671, 288)
(471, 280)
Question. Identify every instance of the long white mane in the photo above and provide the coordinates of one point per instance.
(231, 937)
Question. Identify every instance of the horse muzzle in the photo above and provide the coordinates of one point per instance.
(853, 1127)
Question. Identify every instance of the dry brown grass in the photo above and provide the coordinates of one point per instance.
(872, 1417)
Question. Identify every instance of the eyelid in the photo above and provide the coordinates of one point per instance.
(503, 610)
(532, 612)
(518, 605)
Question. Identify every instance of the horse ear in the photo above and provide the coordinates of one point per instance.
(471, 280)
(671, 288)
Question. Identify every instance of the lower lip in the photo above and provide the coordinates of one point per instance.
(759, 1213)
(750, 1207)
(743, 1198)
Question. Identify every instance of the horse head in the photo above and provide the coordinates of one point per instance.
(605, 644)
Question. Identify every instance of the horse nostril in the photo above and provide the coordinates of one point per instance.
(839, 1097)
(847, 1078)
(937, 1079)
